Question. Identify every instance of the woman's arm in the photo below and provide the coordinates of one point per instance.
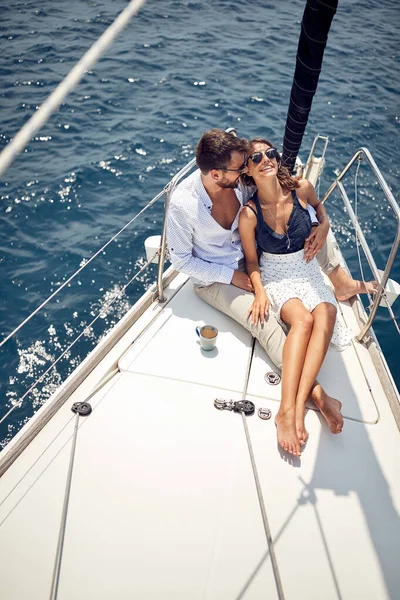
(247, 230)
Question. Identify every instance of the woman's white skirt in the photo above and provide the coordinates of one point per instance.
(287, 276)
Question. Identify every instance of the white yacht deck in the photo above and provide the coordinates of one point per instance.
(163, 503)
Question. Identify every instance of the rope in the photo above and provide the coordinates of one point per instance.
(61, 536)
(10, 335)
(41, 116)
(270, 542)
(63, 525)
(105, 307)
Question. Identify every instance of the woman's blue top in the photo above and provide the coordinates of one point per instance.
(298, 229)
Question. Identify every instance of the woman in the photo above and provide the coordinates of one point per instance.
(276, 221)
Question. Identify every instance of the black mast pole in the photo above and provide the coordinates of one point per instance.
(315, 25)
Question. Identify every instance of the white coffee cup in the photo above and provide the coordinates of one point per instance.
(208, 336)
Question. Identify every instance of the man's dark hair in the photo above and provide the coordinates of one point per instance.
(215, 148)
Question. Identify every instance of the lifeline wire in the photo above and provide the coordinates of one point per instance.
(102, 309)
(10, 335)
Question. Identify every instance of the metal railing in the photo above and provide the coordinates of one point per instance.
(309, 163)
(382, 280)
(163, 245)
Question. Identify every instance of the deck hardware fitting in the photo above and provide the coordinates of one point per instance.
(272, 378)
(82, 409)
(241, 406)
(264, 413)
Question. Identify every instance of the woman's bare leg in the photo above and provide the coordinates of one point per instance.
(301, 322)
(324, 321)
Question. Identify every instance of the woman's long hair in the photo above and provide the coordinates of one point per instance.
(284, 177)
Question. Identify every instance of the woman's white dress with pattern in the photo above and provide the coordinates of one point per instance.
(287, 276)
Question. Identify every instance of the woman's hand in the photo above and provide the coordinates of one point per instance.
(259, 308)
(315, 241)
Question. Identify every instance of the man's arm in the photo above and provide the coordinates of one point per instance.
(180, 246)
(318, 235)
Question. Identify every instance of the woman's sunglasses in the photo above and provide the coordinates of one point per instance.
(270, 153)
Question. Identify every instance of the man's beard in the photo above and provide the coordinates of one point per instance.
(228, 185)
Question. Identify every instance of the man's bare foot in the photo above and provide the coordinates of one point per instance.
(346, 287)
(287, 438)
(330, 409)
(301, 430)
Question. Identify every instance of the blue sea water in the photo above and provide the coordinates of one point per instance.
(179, 68)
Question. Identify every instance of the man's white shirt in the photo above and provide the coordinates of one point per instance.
(198, 245)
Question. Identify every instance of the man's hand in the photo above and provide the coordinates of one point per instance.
(242, 281)
(315, 241)
(259, 308)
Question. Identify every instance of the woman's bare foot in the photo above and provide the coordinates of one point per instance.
(346, 287)
(330, 409)
(287, 438)
(301, 430)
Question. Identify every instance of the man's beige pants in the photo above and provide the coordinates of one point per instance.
(236, 303)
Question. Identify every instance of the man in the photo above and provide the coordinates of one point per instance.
(204, 242)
